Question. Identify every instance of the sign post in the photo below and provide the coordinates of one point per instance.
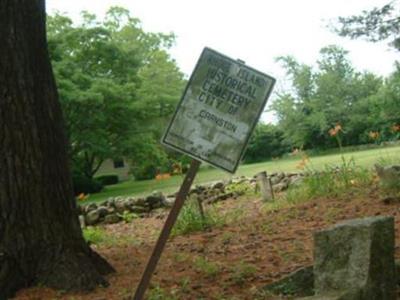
(218, 111)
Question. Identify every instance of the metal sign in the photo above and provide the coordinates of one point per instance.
(219, 109)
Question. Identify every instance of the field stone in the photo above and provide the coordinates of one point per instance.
(103, 211)
(138, 209)
(296, 180)
(277, 178)
(112, 219)
(155, 200)
(82, 221)
(169, 201)
(90, 207)
(218, 185)
(279, 187)
(92, 217)
(140, 202)
(356, 255)
(119, 206)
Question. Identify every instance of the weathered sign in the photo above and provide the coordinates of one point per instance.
(220, 106)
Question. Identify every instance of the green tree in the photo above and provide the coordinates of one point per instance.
(375, 25)
(333, 93)
(266, 142)
(114, 80)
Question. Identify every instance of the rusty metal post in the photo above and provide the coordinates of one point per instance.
(169, 223)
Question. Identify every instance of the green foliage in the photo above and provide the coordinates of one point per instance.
(205, 266)
(112, 76)
(242, 272)
(190, 219)
(267, 142)
(332, 94)
(374, 25)
(240, 188)
(331, 182)
(158, 293)
(127, 216)
(108, 179)
(94, 235)
(148, 159)
(83, 184)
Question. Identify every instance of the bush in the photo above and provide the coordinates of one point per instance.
(144, 171)
(108, 179)
(94, 235)
(83, 184)
(190, 219)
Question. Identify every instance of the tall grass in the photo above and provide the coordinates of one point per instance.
(190, 219)
(331, 181)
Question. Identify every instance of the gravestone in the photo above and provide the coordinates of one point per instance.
(355, 260)
(265, 185)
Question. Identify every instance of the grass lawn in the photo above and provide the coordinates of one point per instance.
(365, 158)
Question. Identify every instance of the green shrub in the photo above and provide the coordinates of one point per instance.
(94, 235)
(332, 181)
(127, 216)
(207, 267)
(108, 179)
(144, 171)
(242, 272)
(190, 219)
(83, 184)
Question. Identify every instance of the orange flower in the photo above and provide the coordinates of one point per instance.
(303, 163)
(82, 197)
(373, 135)
(335, 130)
(396, 128)
(163, 176)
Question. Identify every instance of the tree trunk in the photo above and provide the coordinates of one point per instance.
(40, 237)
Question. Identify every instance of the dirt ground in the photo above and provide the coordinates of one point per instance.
(258, 246)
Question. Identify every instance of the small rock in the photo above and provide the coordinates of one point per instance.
(112, 219)
(155, 200)
(90, 207)
(296, 180)
(280, 187)
(138, 209)
(103, 211)
(218, 185)
(120, 206)
(169, 201)
(92, 217)
(82, 221)
(140, 202)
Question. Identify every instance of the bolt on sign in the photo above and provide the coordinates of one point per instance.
(219, 109)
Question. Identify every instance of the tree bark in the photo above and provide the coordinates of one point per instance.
(40, 238)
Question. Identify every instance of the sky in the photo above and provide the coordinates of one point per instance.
(255, 31)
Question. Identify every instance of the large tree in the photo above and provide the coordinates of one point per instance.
(40, 237)
(375, 25)
(324, 96)
(116, 83)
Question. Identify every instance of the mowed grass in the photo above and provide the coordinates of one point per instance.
(365, 158)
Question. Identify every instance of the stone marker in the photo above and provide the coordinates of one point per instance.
(265, 186)
(355, 260)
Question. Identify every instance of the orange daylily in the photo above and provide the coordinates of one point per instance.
(373, 134)
(82, 197)
(396, 128)
(335, 130)
(163, 176)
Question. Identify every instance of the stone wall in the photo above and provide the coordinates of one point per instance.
(114, 209)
